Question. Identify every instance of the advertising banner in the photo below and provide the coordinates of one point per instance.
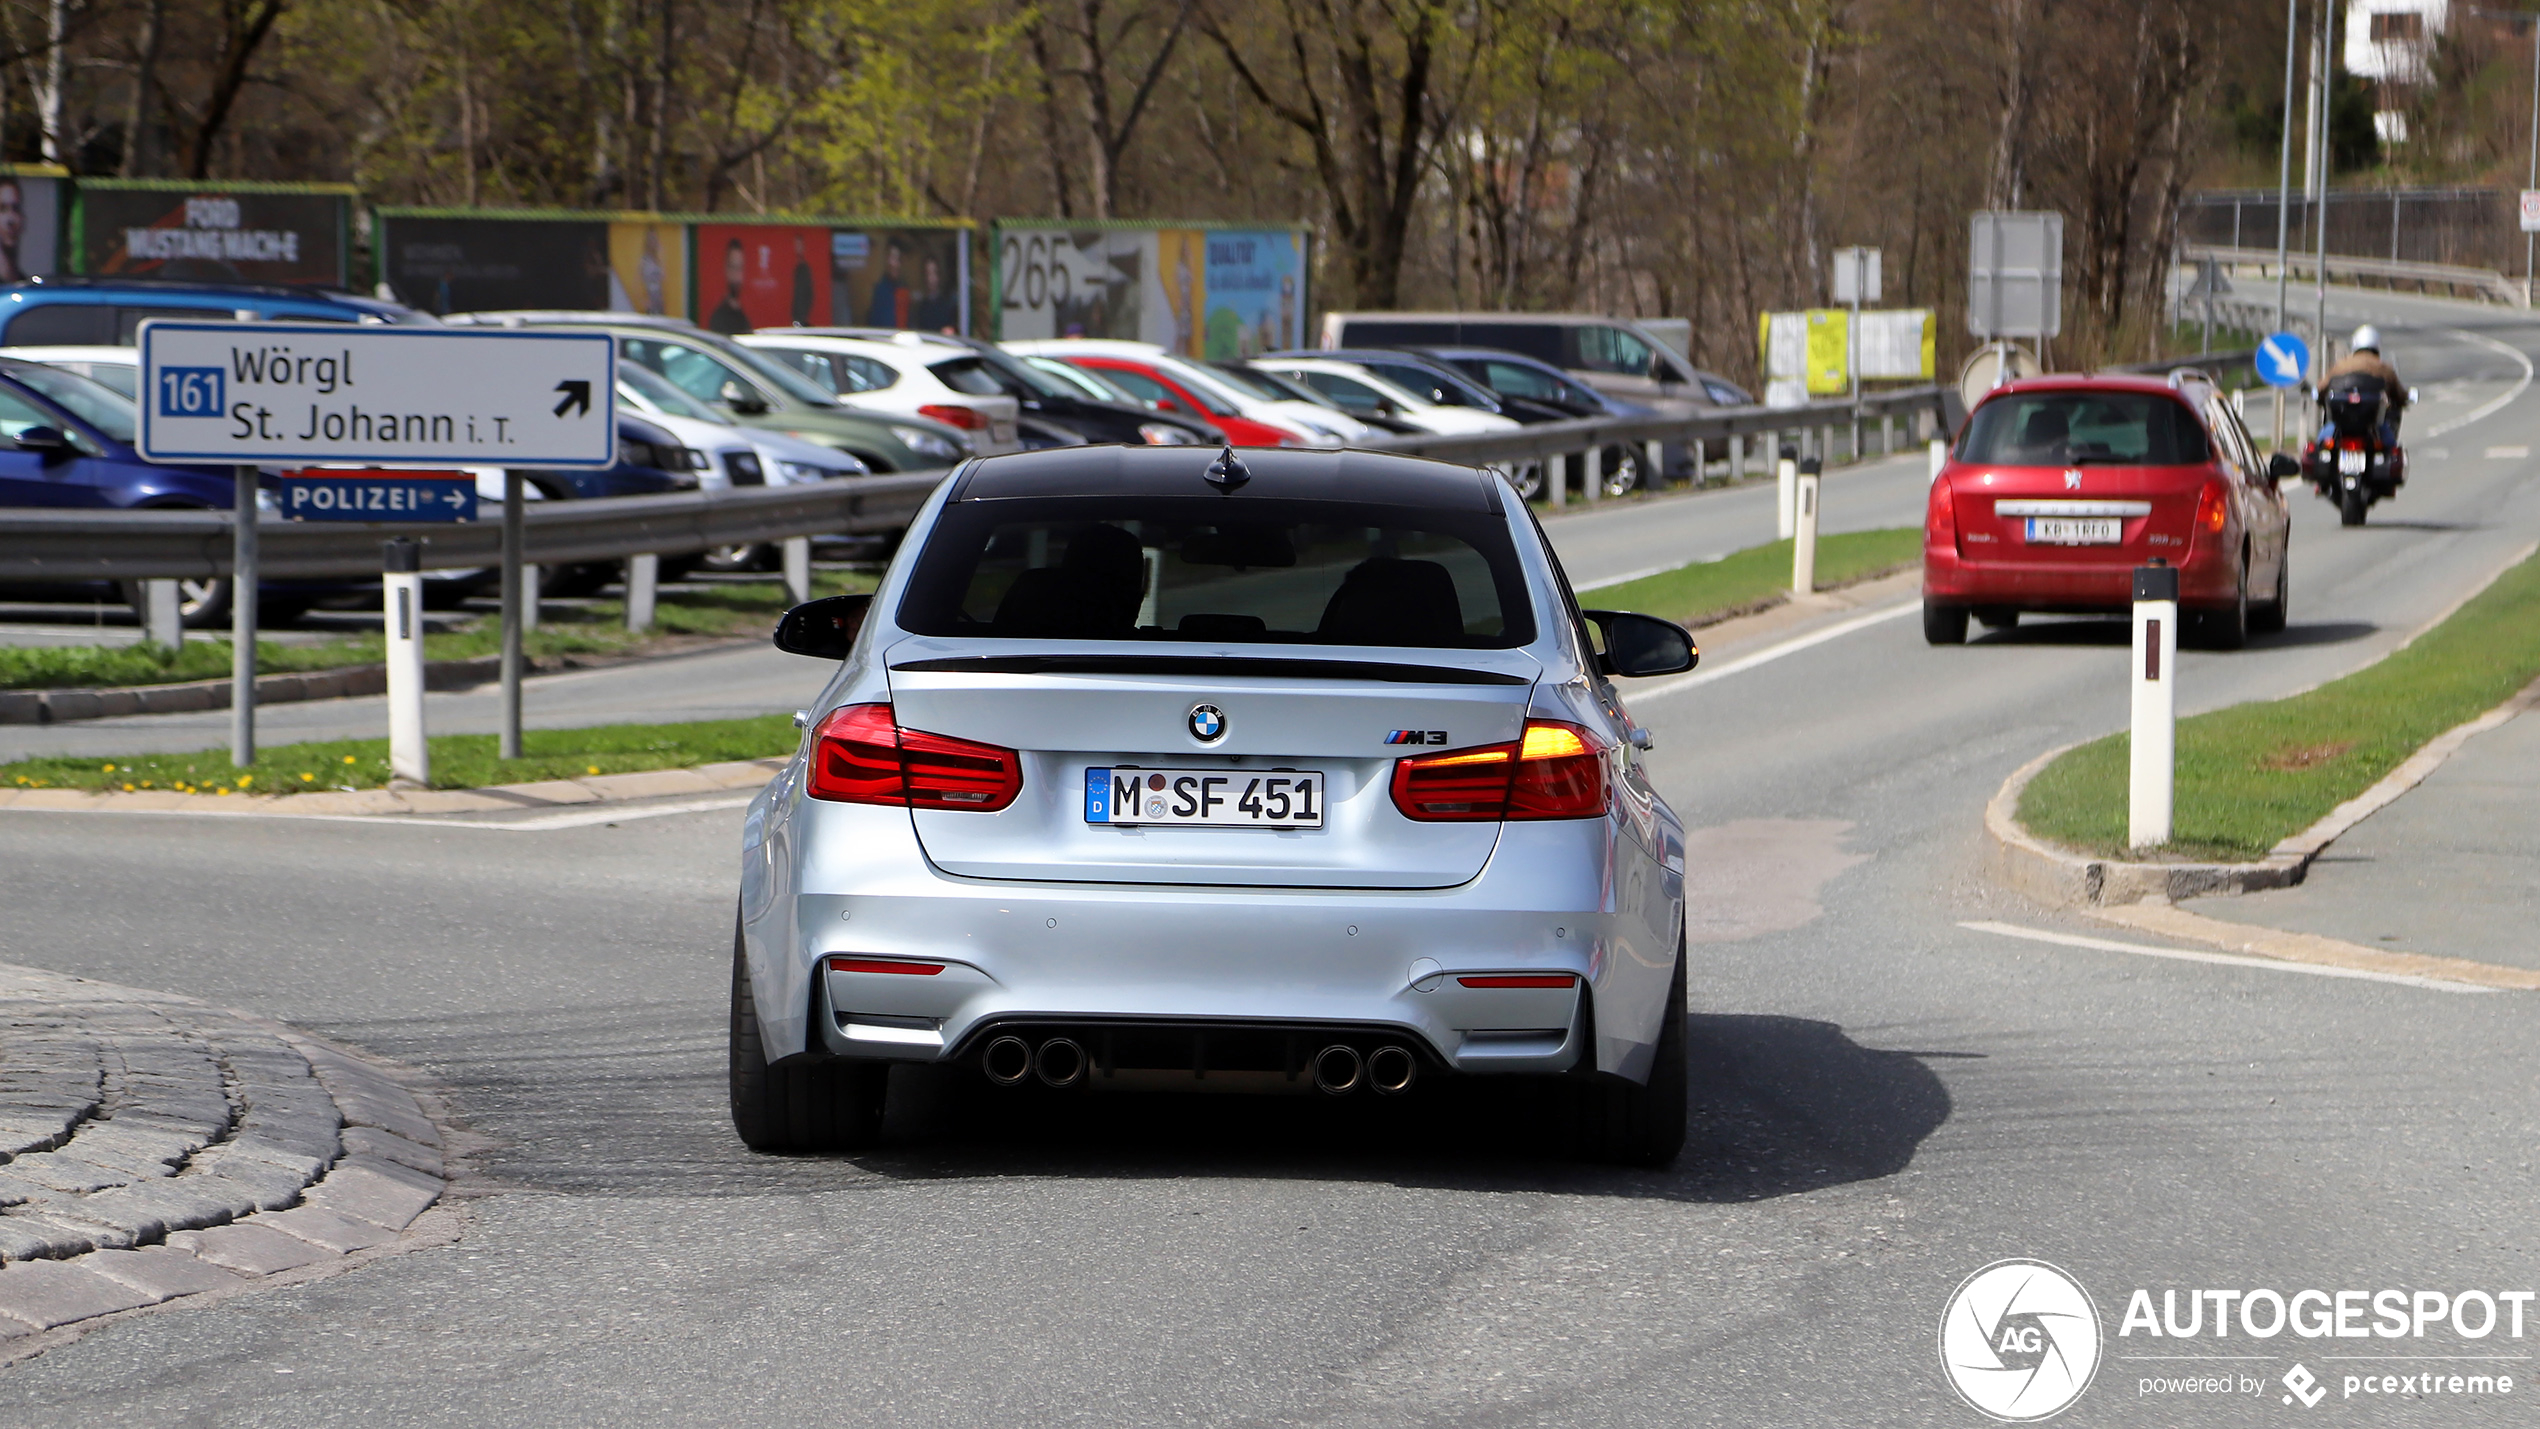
(457, 261)
(1200, 291)
(30, 221)
(220, 233)
(763, 275)
(1810, 354)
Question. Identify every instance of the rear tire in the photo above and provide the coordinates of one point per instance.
(833, 1106)
(2351, 507)
(2267, 617)
(1643, 1124)
(1944, 624)
(2228, 627)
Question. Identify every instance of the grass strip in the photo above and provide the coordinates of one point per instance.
(2251, 775)
(459, 761)
(1707, 592)
(598, 627)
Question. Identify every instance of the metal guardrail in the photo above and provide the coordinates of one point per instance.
(54, 545)
(1590, 434)
(2478, 282)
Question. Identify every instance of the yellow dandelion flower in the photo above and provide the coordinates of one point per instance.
(246, 779)
(224, 793)
(594, 769)
(110, 769)
(348, 759)
(127, 788)
(308, 778)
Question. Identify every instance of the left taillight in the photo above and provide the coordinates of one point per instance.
(966, 418)
(861, 755)
(1554, 771)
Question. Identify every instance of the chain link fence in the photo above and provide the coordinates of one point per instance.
(2460, 227)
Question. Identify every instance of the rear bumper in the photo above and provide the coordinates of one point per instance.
(2205, 578)
(1358, 961)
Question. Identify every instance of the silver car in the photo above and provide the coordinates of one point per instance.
(1156, 768)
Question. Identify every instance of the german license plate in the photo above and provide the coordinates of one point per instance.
(2075, 530)
(1206, 798)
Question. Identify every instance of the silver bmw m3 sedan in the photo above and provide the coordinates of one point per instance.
(1153, 768)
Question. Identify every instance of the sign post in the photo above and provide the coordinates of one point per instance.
(1856, 281)
(252, 394)
(401, 601)
(515, 577)
(2152, 770)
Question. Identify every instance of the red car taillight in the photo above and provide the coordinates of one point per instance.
(860, 755)
(1940, 527)
(963, 417)
(2213, 508)
(1555, 771)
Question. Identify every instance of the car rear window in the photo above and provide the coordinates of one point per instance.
(1176, 568)
(970, 375)
(2069, 428)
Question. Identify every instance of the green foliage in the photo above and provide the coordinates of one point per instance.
(1710, 591)
(2251, 775)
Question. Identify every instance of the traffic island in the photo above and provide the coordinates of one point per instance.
(154, 1148)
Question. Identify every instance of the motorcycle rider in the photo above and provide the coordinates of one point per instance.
(2364, 357)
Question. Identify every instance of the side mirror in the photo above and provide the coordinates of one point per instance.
(1642, 645)
(49, 440)
(824, 629)
(741, 399)
(2283, 467)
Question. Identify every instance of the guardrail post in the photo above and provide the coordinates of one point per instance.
(643, 584)
(242, 623)
(1887, 434)
(1654, 465)
(1786, 477)
(797, 569)
(513, 571)
(1556, 476)
(1803, 547)
(2152, 752)
(1592, 478)
(1701, 462)
(1737, 458)
(162, 613)
(401, 597)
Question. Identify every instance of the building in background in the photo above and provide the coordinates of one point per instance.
(2391, 43)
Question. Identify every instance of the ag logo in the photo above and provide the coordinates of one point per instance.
(2020, 1340)
(1208, 723)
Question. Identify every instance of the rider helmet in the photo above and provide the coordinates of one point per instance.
(2367, 339)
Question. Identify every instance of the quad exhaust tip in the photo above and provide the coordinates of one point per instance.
(1007, 1060)
(1061, 1062)
(1337, 1069)
(1391, 1069)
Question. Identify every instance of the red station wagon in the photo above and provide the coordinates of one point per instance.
(2060, 486)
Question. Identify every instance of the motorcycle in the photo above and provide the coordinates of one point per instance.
(2354, 462)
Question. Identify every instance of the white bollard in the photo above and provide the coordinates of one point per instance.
(401, 590)
(1556, 475)
(1939, 457)
(1803, 547)
(643, 586)
(797, 569)
(162, 613)
(2153, 770)
(529, 588)
(1786, 475)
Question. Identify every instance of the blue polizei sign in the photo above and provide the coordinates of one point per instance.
(2282, 360)
(376, 495)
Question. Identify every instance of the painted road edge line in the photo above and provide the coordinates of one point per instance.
(1771, 653)
(2189, 955)
(2315, 949)
(2488, 409)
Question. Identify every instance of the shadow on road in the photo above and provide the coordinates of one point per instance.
(2325, 632)
(2088, 631)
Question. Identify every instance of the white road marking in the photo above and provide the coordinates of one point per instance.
(2498, 404)
(2272, 965)
(1771, 653)
(2507, 453)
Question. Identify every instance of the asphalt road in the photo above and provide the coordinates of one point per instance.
(1885, 1101)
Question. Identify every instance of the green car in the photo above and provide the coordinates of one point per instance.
(755, 390)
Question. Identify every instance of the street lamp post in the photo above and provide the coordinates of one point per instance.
(2284, 190)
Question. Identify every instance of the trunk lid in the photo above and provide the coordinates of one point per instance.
(2023, 515)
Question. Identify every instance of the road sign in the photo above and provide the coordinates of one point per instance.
(377, 495)
(2283, 359)
(2531, 210)
(400, 396)
(2015, 275)
(1856, 276)
(2210, 282)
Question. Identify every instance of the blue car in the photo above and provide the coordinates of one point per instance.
(105, 312)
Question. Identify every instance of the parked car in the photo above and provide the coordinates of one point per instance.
(1361, 391)
(908, 372)
(71, 311)
(1079, 695)
(1425, 376)
(1087, 384)
(1059, 405)
(1612, 354)
(741, 457)
(1519, 378)
(2059, 487)
(755, 389)
(1274, 387)
(116, 367)
(1176, 385)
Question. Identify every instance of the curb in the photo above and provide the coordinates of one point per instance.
(2060, 879)
(726, 777)
(64, 706)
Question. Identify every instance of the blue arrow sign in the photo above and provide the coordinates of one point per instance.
(2282, 360)
(376, 495)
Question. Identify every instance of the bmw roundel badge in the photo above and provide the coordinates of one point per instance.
(1208, 723)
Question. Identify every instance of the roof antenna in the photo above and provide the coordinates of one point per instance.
(1227, 472)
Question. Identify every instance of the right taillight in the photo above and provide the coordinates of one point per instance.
(2213, 508)
(966, 418)
(1554, 771)
(1940, 528)
(861, 755)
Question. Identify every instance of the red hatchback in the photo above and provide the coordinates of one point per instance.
(2060, 486)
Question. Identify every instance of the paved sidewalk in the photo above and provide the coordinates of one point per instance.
(152, 1147)
(2451, 868)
